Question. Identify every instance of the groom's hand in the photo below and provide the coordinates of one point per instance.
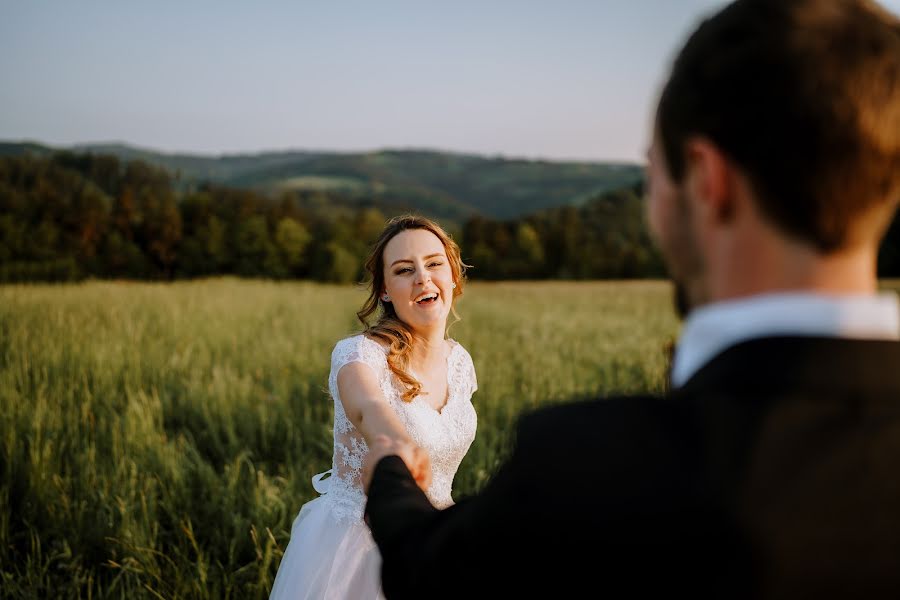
(415, 458)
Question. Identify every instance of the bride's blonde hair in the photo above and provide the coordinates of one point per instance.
(388, 327)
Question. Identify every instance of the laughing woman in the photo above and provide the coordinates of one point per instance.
(401, 377)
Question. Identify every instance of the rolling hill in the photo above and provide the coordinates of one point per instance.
(441, 184)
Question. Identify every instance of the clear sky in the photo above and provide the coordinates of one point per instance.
(552, 79)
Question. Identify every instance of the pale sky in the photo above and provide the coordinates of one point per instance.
(553, 79)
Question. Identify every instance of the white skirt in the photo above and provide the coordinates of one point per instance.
(328, 558)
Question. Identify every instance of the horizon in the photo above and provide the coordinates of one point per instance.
(574, 82)
(221, 155)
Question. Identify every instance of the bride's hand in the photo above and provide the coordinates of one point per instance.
(415, 458)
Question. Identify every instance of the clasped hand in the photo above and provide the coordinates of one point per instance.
(415, 458)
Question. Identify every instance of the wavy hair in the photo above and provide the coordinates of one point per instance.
(388, 327)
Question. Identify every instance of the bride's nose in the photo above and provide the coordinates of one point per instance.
(422, 276)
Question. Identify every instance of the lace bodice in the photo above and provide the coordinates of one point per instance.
(446, 435)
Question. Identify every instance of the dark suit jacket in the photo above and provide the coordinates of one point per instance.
(774, 472)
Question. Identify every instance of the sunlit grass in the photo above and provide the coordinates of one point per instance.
(158, 439)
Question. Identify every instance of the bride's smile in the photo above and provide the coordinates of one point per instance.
(418, 280)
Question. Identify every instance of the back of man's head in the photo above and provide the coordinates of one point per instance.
(804, 97)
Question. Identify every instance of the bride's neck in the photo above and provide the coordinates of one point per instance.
(427, 351)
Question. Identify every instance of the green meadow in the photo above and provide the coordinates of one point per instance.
(158, 439)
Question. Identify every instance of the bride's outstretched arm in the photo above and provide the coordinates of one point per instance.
(368, 411)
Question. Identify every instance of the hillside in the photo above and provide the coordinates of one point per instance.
(442, 184)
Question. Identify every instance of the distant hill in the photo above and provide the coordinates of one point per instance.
(20, 148)
(441, 184)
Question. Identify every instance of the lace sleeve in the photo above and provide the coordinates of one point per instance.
(470, 373)
(349, 350)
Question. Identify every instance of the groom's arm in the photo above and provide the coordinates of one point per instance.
(394, 492)
(613, 476)
(428, 552)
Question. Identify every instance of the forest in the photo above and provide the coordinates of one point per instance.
(68, 216)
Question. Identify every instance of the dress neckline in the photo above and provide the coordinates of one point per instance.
(440, 411)
(454, 345)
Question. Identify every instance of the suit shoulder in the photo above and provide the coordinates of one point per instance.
(614, 424)
(586, 413)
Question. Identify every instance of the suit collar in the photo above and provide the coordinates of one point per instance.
(761, 365)
(711, 329)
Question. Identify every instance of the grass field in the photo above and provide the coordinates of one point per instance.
(158, 439)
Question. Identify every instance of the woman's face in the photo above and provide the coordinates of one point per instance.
(418, 279)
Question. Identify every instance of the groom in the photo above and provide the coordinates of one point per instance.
(772, 469)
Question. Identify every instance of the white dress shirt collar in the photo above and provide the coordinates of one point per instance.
(712, 328)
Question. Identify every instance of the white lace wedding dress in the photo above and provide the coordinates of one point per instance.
(331, 554)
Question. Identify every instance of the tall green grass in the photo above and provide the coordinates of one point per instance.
(158, 439)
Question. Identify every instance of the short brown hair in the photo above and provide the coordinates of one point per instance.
(804, 96)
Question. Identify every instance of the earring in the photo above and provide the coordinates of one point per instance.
(454, 285)
(385, 298)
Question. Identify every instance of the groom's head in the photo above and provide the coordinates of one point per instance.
(777, 134)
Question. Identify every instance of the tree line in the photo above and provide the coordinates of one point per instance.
(71, 216)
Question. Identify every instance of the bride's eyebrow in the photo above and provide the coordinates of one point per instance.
(406, 260)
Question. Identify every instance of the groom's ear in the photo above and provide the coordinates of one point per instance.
(710, 180)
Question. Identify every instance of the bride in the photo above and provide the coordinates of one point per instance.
(403, 378)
